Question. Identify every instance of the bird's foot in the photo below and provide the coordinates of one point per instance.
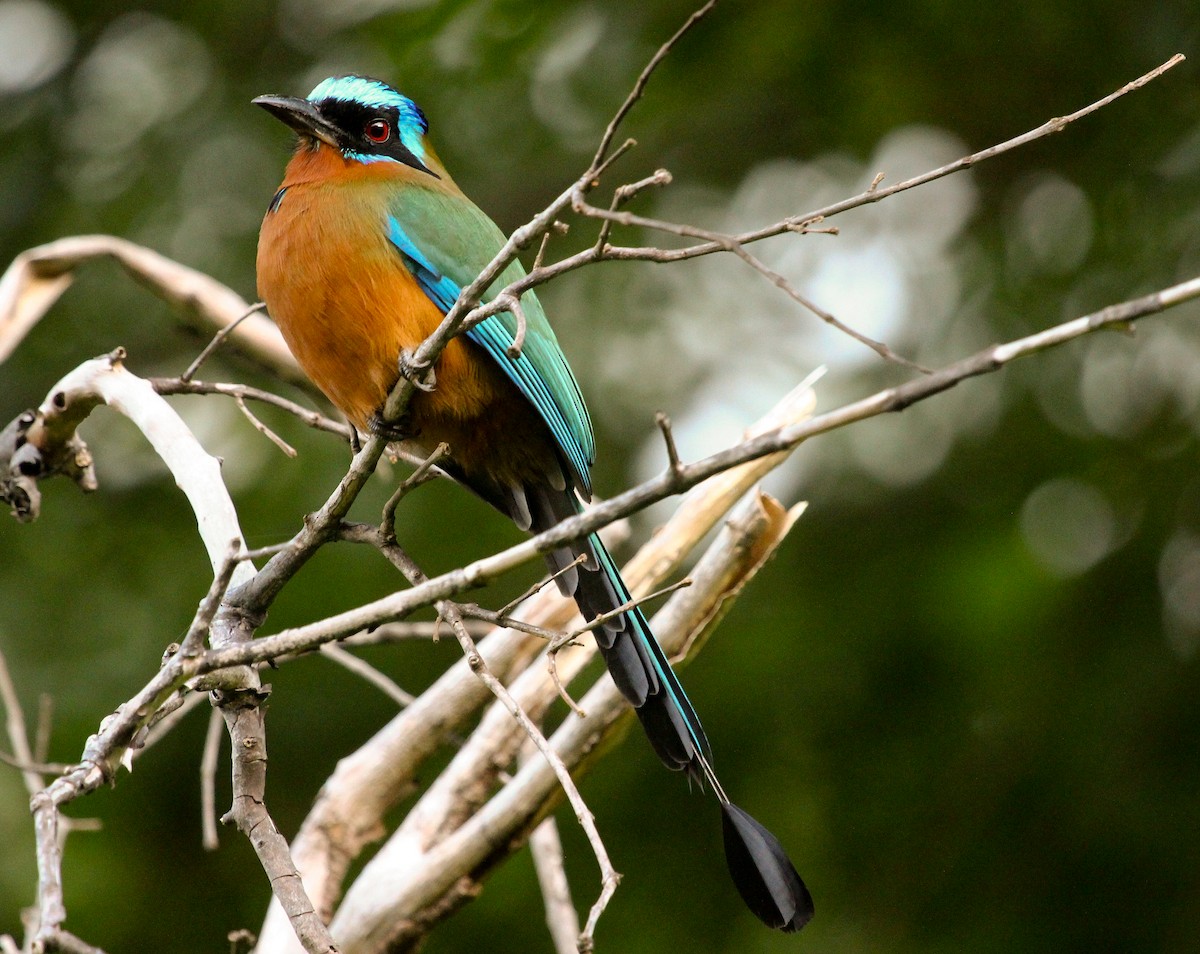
(401, 430)
(422, 375)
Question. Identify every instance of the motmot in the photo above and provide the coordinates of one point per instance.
(364, 248)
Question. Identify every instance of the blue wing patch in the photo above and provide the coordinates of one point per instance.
(495, 338)
(441, 290)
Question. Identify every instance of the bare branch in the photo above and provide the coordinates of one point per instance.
(541, 252)
(730, 244)
(403, 632)
(106, 380)
(664, 425)
(348, 815)
(567, 639)
(879, 347)
(874, 194)
(37, 277)
(423, 859)
(559, 686)
(193, 641)
(243, 719)
(399, 605)
(622, 194)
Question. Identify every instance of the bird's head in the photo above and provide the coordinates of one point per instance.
(364, 119)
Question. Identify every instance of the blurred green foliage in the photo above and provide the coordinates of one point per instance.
(966, 694)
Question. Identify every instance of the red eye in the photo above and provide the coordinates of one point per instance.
(378, 130)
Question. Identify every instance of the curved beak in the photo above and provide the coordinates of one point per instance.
(300, 115)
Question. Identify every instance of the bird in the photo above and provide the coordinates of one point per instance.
(364, 248)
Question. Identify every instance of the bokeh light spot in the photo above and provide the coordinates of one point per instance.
(35, 41)
(1068, 525)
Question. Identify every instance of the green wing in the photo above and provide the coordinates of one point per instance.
(445, 240)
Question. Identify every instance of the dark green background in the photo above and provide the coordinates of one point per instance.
(967, 744)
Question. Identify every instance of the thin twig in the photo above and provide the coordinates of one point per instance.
(208, 781)
(217, 341)
(513, 303)
(776, 279)
(541, 252)
(639, 87)
(363, 669)
(874, 194)
(45, 721)
(625, 193)
(731, 244)
(596, 622)
(552, 666)
(313, 419)
(608, 874)
(590, 182)
(404, 632)
(262, 428)
(622, 194)
(419, 476)
(477, 612)
(540, 585)
(18, 737)
(664, 425)
(39, 768)
(193, 641)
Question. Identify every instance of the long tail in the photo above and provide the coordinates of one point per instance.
(764, 875)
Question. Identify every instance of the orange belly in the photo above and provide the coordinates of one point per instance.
(348, 307)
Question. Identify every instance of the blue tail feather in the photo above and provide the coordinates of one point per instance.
(675, 697)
